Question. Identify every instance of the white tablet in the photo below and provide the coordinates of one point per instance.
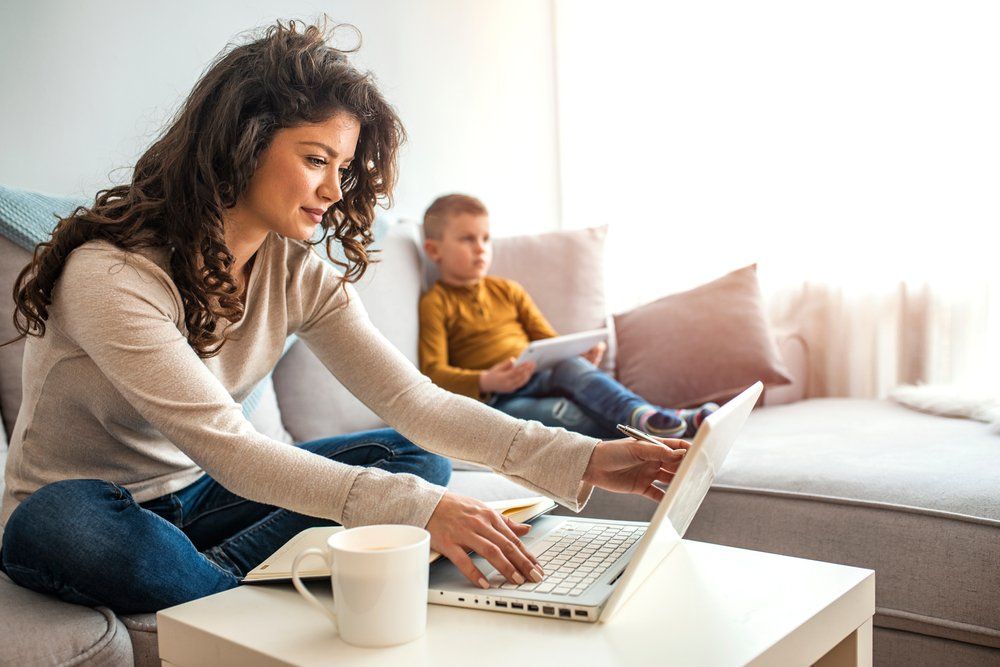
(550, 351)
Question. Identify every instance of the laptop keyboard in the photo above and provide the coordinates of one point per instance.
(574, 556)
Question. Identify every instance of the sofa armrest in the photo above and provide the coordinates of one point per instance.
(795, 353)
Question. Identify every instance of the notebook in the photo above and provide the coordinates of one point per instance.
(278, 566)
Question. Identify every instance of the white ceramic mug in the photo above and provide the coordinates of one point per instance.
(379, 579)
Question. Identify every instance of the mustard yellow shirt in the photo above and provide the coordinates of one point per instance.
(466, 330)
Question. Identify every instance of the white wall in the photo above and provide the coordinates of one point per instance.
(87, 86)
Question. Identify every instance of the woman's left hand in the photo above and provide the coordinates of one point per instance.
(631, 466)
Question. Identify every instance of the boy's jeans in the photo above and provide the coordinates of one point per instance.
(87, 541)
(575, 395)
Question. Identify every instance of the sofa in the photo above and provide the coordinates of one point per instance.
(855, 482)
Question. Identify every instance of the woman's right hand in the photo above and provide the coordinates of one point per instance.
(506, 376)
(461, 524)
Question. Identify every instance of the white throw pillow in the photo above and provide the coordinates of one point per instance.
(981, 404)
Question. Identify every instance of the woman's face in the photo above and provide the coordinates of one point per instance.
(298, 179)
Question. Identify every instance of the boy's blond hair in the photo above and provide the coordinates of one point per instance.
(444, 208)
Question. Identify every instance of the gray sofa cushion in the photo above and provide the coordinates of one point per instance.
(873, 484)
(893, 648)
(313, 403)
(869, 450)
(142, 631)
(42, 630)
(12, 259)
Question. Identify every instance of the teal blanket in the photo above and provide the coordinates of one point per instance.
(28, 218)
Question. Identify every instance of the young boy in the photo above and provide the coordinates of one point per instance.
(474, 326)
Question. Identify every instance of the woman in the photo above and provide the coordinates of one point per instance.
(133, 479)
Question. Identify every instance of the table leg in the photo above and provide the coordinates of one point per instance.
(855, 650)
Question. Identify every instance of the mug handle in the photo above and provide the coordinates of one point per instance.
(327, 556)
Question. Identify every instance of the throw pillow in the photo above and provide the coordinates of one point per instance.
(970, 401)
(314, 404)
(562, 271)
(706, 344)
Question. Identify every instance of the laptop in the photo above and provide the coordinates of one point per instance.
(593, 566)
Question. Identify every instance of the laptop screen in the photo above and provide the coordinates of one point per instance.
(685, 493)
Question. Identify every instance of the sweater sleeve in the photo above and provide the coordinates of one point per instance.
(534, 323)
(551, 461)
(123, 312)
(433, 350)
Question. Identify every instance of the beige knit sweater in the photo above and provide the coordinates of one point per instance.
(113, 391)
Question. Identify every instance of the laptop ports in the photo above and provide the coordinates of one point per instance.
(551, 611)
(564, 613)
(516, 605)
(499, 603)
(533, 607)
(580, 612)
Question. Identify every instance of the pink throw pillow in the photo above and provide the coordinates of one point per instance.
(706, 344)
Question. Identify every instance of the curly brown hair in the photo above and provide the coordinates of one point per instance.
(203, 161)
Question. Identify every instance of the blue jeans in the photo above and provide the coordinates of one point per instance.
(89, 542)
(575, 395)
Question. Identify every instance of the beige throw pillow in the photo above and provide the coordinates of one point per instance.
(564, 274)
(706, 344)
(562, 271)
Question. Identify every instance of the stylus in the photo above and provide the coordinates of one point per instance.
(639, 435)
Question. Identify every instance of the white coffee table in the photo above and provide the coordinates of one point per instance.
(704, 605)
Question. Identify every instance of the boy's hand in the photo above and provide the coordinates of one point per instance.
(595, 354)
(505, 377)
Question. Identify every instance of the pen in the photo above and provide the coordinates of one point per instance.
(639, 435)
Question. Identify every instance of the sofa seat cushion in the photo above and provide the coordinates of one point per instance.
(42, 630)
(145, 646)
(876, 485)
(869, 450)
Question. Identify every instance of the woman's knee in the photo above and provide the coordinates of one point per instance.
(435, 468)
(63, 506)
(89, 542)
(438, 469)
(48, 525)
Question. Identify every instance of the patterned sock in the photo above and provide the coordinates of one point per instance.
(695, 416)
(658, 422)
